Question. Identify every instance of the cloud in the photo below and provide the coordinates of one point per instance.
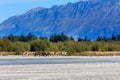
(16, 1)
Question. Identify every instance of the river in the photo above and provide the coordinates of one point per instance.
(57, 60)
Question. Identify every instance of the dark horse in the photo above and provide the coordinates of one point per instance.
(41, 53)
(45, 53)
(37, 53)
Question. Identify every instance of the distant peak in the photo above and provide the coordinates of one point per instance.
(106, 0)
(35, 9)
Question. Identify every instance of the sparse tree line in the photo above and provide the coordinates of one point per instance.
(58, 42)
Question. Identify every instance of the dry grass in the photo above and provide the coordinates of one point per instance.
(7, 53)
(113, 53)
(14, 53)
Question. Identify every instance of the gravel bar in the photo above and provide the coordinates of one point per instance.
(93, 71)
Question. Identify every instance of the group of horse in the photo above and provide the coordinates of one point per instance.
(45, 53)
(41, 53)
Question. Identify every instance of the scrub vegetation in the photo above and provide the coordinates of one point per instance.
(59, 42)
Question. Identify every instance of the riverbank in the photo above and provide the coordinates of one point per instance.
(96, 71)
(38, 57)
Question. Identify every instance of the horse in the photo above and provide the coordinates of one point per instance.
(37, 53)
(63, 53)
(45, 53)
(58, 53)
(51, 53)
(25, 53)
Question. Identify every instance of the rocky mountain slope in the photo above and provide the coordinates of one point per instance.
(84, 18)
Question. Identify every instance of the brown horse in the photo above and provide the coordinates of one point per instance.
(37, 53)
(45, 53)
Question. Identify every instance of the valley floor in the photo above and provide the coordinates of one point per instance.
(85, 71)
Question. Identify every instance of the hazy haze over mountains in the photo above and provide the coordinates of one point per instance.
(85, 18)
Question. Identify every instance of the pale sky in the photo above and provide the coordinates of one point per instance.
(10, 8)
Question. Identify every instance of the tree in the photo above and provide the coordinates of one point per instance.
(113, 37)
(118, 37)
(63, 37)
(105, 38)
(59, 38)
(43, 38)
(99, 38)
(31, 37)
(53, 38)
(71, 38)
(23, 38)
(86, 38)
(11, 37)
(80, 39)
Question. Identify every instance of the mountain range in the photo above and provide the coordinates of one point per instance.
(84, 18)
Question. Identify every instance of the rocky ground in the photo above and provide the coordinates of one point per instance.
(92, 71)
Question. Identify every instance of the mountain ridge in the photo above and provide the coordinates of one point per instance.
(80, 19)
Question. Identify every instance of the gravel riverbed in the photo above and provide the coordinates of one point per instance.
(83, 71)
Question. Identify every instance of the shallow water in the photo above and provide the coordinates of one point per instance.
(45, 60)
